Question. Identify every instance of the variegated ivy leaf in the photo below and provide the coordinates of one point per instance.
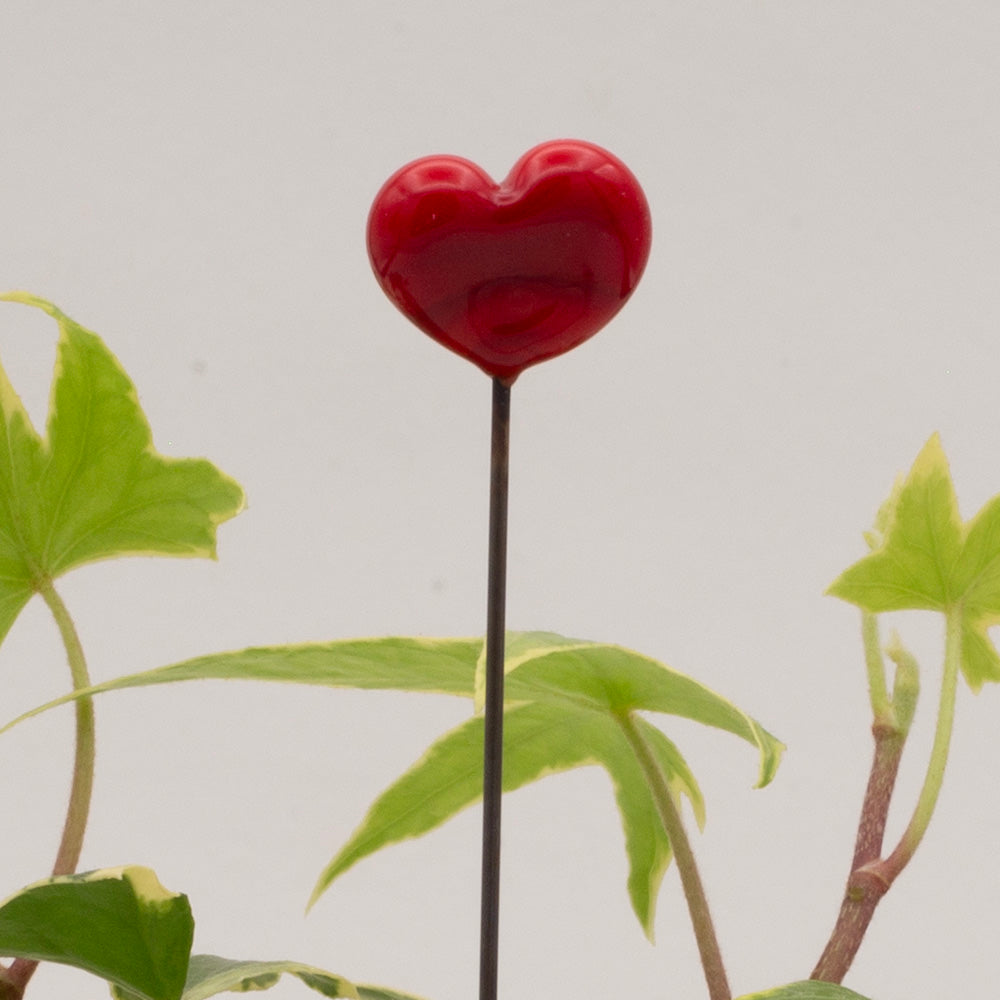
(925, 557)
(808, 989)
(94, 487)
(566, 700)
(117, 923)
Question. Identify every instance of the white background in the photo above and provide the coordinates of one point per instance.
(191, 180)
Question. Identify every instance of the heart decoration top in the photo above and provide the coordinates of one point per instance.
(511, 274)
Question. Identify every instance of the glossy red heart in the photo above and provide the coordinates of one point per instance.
(511, 274)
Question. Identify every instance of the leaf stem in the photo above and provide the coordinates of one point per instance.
(75, 825)
(694, 890)
(934, 778)
(83, 769)
(489, 939)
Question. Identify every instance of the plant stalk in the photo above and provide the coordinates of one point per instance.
(75, 825)
(694, 890)
(489, 942)
(864, 888)
(871, 876)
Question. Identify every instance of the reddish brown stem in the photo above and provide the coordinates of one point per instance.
(8, 988)
(865, 885)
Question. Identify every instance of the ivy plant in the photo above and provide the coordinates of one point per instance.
(93, 488)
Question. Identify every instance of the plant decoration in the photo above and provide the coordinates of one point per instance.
(505, 275)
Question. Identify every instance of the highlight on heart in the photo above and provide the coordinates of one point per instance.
(511, 274)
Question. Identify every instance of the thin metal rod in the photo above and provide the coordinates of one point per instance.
(489, 941)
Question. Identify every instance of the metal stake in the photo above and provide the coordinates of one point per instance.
(493, 736)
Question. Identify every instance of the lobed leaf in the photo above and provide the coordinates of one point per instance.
(565, 701)
(119, 923)
(924, 557)
(539, 739)
(911, 567)
(94, 488)
(209, 975)
(381, 993)
(543, 667)
(808, 989)
(610, 678)
(434, 666)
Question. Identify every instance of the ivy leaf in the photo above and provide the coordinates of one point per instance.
(808, 989)
(924, 557)
(366, 992)
(566, 699)
(393, 663)
(615, 680)
(544, 667)
(94, 488)
(209, 975)
(121, 925)
(539, 740)
(117, 923)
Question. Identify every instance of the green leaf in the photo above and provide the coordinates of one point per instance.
(209, 975)
(543, 667)
(612, 679)
(94, 488)
(539, 739)
(381, 993)
(519, 647)
(926, 558)
(434, 666)
(565, 701)
(806, 990)
(119, 923)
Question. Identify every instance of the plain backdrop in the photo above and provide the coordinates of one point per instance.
(191, 180)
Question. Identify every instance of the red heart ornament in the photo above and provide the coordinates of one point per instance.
(511, 274)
